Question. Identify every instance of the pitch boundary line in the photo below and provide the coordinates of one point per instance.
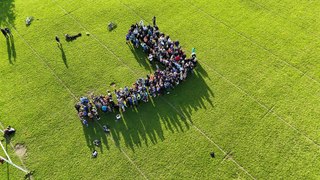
(46, 64)
(62, 83)
(254, 42)
(263, 6)
(250, 96)
(78, 22)
(279, 117)
(210, 140)
(72, 94)
(94, 37)
(11, 145)
(130, 160)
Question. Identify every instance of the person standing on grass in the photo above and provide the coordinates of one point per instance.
(154, 21)
(8, 31)
(58, 40)
(4, 33)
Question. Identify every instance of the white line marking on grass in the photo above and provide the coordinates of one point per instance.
(263, 6)
(209, 139)
(94, 37)
(264, 106)
(46, 64)
(5, 151)
(122, 63)
(11, 145)
(125, 154)
(253, 42)
(74, 96)
(250, 96)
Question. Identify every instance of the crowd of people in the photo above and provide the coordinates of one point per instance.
(160, 49)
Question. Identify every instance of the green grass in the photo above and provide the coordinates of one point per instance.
(254, 99)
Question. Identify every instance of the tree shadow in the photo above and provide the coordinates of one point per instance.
(63, 55)
(7, 14)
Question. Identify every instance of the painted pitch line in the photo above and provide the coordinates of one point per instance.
(5, 151)
(214, 70)
(94, 36)
(11, 145)
(247, 94)
(125, 154)
(79, 23)
(46, 64)
(70, 93)
(283, 17)
(250, 96)
(264, 106)
(120, 61)
(253, 42)
(210, 140)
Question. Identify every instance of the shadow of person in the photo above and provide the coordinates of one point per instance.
(13, 48)
(9, 50)
(63, 55)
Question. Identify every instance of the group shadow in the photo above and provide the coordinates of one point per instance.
(145, 124)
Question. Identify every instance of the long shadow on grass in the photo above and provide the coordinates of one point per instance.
(7, 14)
(145, 125)
(63, 55)
(11, 50)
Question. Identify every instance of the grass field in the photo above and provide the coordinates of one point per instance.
(254, 100)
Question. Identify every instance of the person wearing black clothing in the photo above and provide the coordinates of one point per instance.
(58, 40)
(77, 106)
(154, 21)
(8, 31)
(4, 33)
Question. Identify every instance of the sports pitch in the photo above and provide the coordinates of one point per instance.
(254, 99)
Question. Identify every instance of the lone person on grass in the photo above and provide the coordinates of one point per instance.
(4, 33)
(58, 40)
(154, 21)
(8, 31)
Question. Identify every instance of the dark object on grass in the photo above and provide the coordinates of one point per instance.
(97, 142)
(8, 31)
(112, 26)
(72, 37)
(58, 40)
(212, 155)
(154, 21)
(113, 84)
(9, 131)
(29, 175)
(106, 129)
(1, 161)
(29, 20)
(94, 154)
(4, 33)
